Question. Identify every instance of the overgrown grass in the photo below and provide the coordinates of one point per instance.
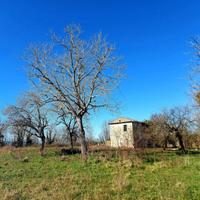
(108, 174)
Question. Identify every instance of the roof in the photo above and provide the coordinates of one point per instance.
(121, 120)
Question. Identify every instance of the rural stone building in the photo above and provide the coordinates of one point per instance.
(124, 132)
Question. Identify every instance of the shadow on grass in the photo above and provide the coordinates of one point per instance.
(69, 151)
(188, 152)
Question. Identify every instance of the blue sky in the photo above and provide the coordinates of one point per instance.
(153, 37)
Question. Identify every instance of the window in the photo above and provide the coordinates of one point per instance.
(125, 128)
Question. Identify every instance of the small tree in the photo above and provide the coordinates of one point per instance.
(50, 135)
(19, 132)
(70, 125)
(2, 130)
(104, 135)
(75, 73)
(30, 114)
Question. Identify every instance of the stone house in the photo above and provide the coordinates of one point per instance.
(124, 132)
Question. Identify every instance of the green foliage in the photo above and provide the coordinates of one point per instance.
(106, 175)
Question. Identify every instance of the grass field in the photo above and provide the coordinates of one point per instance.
(106, 175)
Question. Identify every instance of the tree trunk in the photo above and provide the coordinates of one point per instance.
(29, 140)
(42, 146)
(166, 142)
(71, 140)
(84, 150)
(180, 139)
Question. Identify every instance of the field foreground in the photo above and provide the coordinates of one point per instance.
(107, 175)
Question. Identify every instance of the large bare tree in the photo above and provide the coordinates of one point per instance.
(31, 116)
(77, 73)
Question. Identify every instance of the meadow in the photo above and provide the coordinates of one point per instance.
(108, 174)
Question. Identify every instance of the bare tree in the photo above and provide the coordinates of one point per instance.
(195, 72)
(50, 135)
(19, 133)
(104, 135)
(175, 121)
(70, 125)
(30, 114)
(76, 73)
(159, 130)
(2, 131)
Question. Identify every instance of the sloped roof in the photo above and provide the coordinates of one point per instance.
(121, 120)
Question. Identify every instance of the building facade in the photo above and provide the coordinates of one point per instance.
(124, 132)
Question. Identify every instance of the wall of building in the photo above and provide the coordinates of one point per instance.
(139, 134)
(119, 137)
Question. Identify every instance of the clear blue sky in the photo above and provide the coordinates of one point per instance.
(153, 36)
